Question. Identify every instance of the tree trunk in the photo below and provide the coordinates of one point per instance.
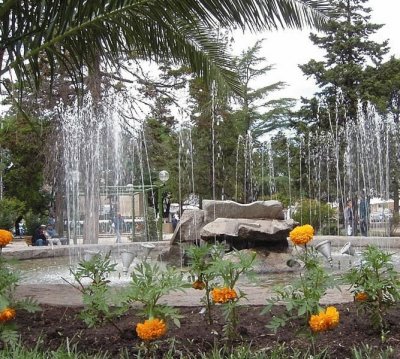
(91, 160)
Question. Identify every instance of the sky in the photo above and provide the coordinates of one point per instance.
(286, 49)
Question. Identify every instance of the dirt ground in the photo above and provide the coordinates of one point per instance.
(54, 324)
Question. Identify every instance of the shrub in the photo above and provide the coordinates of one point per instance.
(230, 270)
(97, 296)
(319, 215)
(302, 297)
(10, 209)
(201, 259)
(375, 285)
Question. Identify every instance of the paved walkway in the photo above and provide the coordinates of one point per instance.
(65, 295)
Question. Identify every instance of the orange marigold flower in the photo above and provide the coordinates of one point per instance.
(199, 284)
(332, 317)
(5, 237)
(318, 323)
(151, 329)
(361, 297)
(324, 320)
(223, 295)
(7, 314)
(302, 234)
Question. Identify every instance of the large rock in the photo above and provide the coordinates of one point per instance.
(268, 262)
(189, 226)
(230, 209)
(243, 233)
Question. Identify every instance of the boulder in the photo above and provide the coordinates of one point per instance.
(243, 233)
(230, 209)
(188, 228)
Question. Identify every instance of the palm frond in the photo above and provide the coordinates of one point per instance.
(75, 32)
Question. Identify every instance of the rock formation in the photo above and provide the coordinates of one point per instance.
(258, 224)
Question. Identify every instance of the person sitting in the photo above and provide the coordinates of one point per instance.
(52, 235)
(39, 237)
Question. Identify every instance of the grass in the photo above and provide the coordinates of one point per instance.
(280, 351)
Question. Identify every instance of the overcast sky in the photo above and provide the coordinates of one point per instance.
(286, 49)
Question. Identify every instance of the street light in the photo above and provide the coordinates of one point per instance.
(163, 176)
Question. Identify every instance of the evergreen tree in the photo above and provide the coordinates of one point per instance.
(341, 78)
(383, 90)
(258, 113)
(348, 50)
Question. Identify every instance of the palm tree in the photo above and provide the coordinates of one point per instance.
(76, 33)
(81, 34)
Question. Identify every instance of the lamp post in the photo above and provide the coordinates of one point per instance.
(163, 176)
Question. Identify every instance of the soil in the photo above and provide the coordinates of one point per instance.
(54, 324)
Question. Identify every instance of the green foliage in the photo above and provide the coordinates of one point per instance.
(319, 215)
(394, 223)
(151, 36)
(25, 141)
(280, 351)
(229, 270)
(366, 351)
(209, 267)
(65, 351)
(302, 297)
(349, 48)
(201, 260)
(378, 279)
(10, 210)
(233, 266)
(8, 282)
(149, 284)
(97, 297)
(34, 220)
(151, 225)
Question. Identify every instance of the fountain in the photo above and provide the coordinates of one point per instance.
(148, 247)
(95, 147)
(89, 255)
(127, 259)
(348, 249)
(324, 248)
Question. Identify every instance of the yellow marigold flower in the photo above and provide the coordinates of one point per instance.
(361, 297)
(302, 234)
(199, 284)
(318, 322)
(151, 329)
(7, 314)
(5, 237)
(332, 317)
(223, 295)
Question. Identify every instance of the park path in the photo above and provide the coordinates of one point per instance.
(65, 295)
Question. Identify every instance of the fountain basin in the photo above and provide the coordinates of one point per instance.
(22, 252)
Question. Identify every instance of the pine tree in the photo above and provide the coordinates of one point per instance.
(349, 49)
(258, 113)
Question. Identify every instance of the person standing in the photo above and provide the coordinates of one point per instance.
(364, 214)
(349, 218)
(118, 226)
